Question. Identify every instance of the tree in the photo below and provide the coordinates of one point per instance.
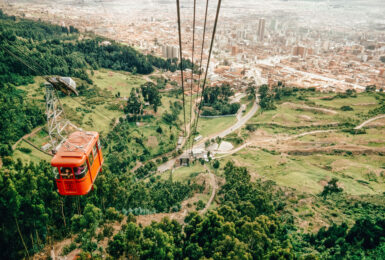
(251, 91)
(89, 220)
(157, 244)
(331, 187)
(116, 246)
(151, 95)
(134, 106)
(216, 164)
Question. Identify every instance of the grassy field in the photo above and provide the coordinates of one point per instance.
(372, 138)
(117, 81)
(209, 126)
(362, 103)
(315, 111)
(357, 174)
(183, 174)
(100, 109)
(34, 156)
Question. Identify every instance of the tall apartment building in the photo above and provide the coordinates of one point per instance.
(170, 52)
(261, 29)
(300, 51)
(234, 50)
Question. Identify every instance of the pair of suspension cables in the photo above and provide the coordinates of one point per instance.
(193, 125)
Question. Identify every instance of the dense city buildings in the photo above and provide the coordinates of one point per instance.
(255, 42)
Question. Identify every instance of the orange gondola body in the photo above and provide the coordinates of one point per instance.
(77, 163)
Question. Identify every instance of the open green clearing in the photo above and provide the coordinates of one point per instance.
(183, 174)
(100, 108)
(210, 126)
(374, 137)
(315, 110)
(362, 103)
(34, 156)
(358, 174)
(117, 81)
(309, 111)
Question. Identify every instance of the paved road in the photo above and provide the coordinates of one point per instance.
(169, 164)
(238, 97)
(240, 122)
(369, 121)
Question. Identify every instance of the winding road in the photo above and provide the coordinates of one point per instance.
(200, 145)
(369, 121)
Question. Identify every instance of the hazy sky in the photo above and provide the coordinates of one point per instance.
(345, 13)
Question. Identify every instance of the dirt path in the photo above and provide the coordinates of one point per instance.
(309, 108)
(369, 121)
(34, 131)
(306, 133)
(214, 186)
(232, 151)
(271, 140)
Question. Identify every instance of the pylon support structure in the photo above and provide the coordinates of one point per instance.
(57, 123)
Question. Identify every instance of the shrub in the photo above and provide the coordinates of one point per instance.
(251, 128)
(25, 150)
(200, 205)
(331, 187)
(113, 214)
(346, 108)
(108, 231)
(68, 249)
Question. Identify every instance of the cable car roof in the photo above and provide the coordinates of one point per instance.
(63, 84)
(74, 150)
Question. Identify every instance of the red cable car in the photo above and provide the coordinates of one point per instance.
(77, 163)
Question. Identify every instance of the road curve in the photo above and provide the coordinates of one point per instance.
(169, 164)
(240, 122)
(369, 121)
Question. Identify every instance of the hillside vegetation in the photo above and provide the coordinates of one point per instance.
(29, 49)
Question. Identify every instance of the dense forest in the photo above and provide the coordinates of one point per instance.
(250, 222)
(17, 117)
(33, 212)
(55, 50)
(216, 101)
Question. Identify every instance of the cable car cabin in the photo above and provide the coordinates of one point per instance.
(77, 163)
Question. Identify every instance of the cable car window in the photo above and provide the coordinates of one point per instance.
(94, 151)
(99, 145)
(66, 172)
(55, 172)
(81, 171)
(91, 159)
